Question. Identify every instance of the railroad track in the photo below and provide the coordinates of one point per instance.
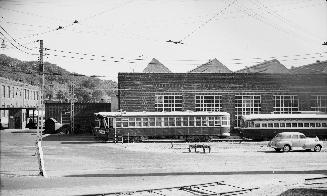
(213, 188)
(317, 183)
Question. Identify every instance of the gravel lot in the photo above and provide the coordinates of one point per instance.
(79, 165)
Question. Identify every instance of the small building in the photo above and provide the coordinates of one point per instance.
(18, 103)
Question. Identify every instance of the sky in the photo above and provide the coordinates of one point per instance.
(104, 37)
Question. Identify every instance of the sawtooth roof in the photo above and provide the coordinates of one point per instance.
(272, 66)
(156, 67)
(212, 66)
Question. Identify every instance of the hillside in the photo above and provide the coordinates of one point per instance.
(57, 81)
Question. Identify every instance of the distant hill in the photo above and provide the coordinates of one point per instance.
(156, 67)
(57, 81)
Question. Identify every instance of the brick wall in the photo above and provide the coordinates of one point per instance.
(137, 90)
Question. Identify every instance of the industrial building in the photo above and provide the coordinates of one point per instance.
(18, 102)
(236, 93)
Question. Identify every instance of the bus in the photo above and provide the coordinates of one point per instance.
(266, 126)
(140, 126)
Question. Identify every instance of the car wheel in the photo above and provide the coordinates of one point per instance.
(317, 148)
(277, 149)
(286, 148)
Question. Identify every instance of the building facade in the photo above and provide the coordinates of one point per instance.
(18, 102)
(235, 93)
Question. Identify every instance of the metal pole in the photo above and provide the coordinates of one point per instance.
(72, 97)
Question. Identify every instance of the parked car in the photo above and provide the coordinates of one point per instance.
(287, 141)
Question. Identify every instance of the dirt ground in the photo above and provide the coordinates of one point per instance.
(77, 165)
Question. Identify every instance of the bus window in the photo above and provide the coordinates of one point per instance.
(178, 121)
(288, 124)
(264, 125)
(152, 123)
(294, 124)
(312, 125)
(282, 124)
(306, 124)
(185, 121)
(270, 125)
(145, 122)
(217, 121)
(211, 121)
(191, 121)
(166, 122)
(204, 121)
(158, 121)
(276, 125)
(198, 121)
(125, 122)
(138, 122)
(171, 121)
(318, 125)
(324, 124)
(300, 124)
(131, 122)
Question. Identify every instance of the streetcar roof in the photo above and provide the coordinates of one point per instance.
(175, 113)
(284, 116)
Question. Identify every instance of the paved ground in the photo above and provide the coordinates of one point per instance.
(80, 165)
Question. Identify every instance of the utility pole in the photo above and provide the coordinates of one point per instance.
(39, 151)
(72, 113)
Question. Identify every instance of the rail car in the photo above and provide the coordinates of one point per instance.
(266, 126)
(139, 126)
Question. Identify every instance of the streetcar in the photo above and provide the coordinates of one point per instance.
(141, 126)
(266, 126)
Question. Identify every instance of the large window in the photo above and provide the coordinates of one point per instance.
(207, 102)
(319, 103)
(169, 103)
(246, 104)
(286, 104)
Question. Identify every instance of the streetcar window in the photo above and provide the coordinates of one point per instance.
(211, 121)
(118, 122)
(217, 121)
(257, 124)
(224, 120)
(152, 123)
(125, 122)
(145, 122)
(282, 124)
(97, 123)
(276, 125)
(312, 124)
(264, 124)
(131, 122)
(294, 124)
(166, 122)
(185, 121)
(171, 122)
(158, 121)
(178, 121)
(318, 125)
(138, 122)
(324, 124)
(288, 124)
(270, 125)
(300, 124)
(204, 121)
(306, 124)
(198, 121)
(191, 121)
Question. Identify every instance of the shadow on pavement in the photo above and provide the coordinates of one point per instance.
(54, 137)
(323, 172)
